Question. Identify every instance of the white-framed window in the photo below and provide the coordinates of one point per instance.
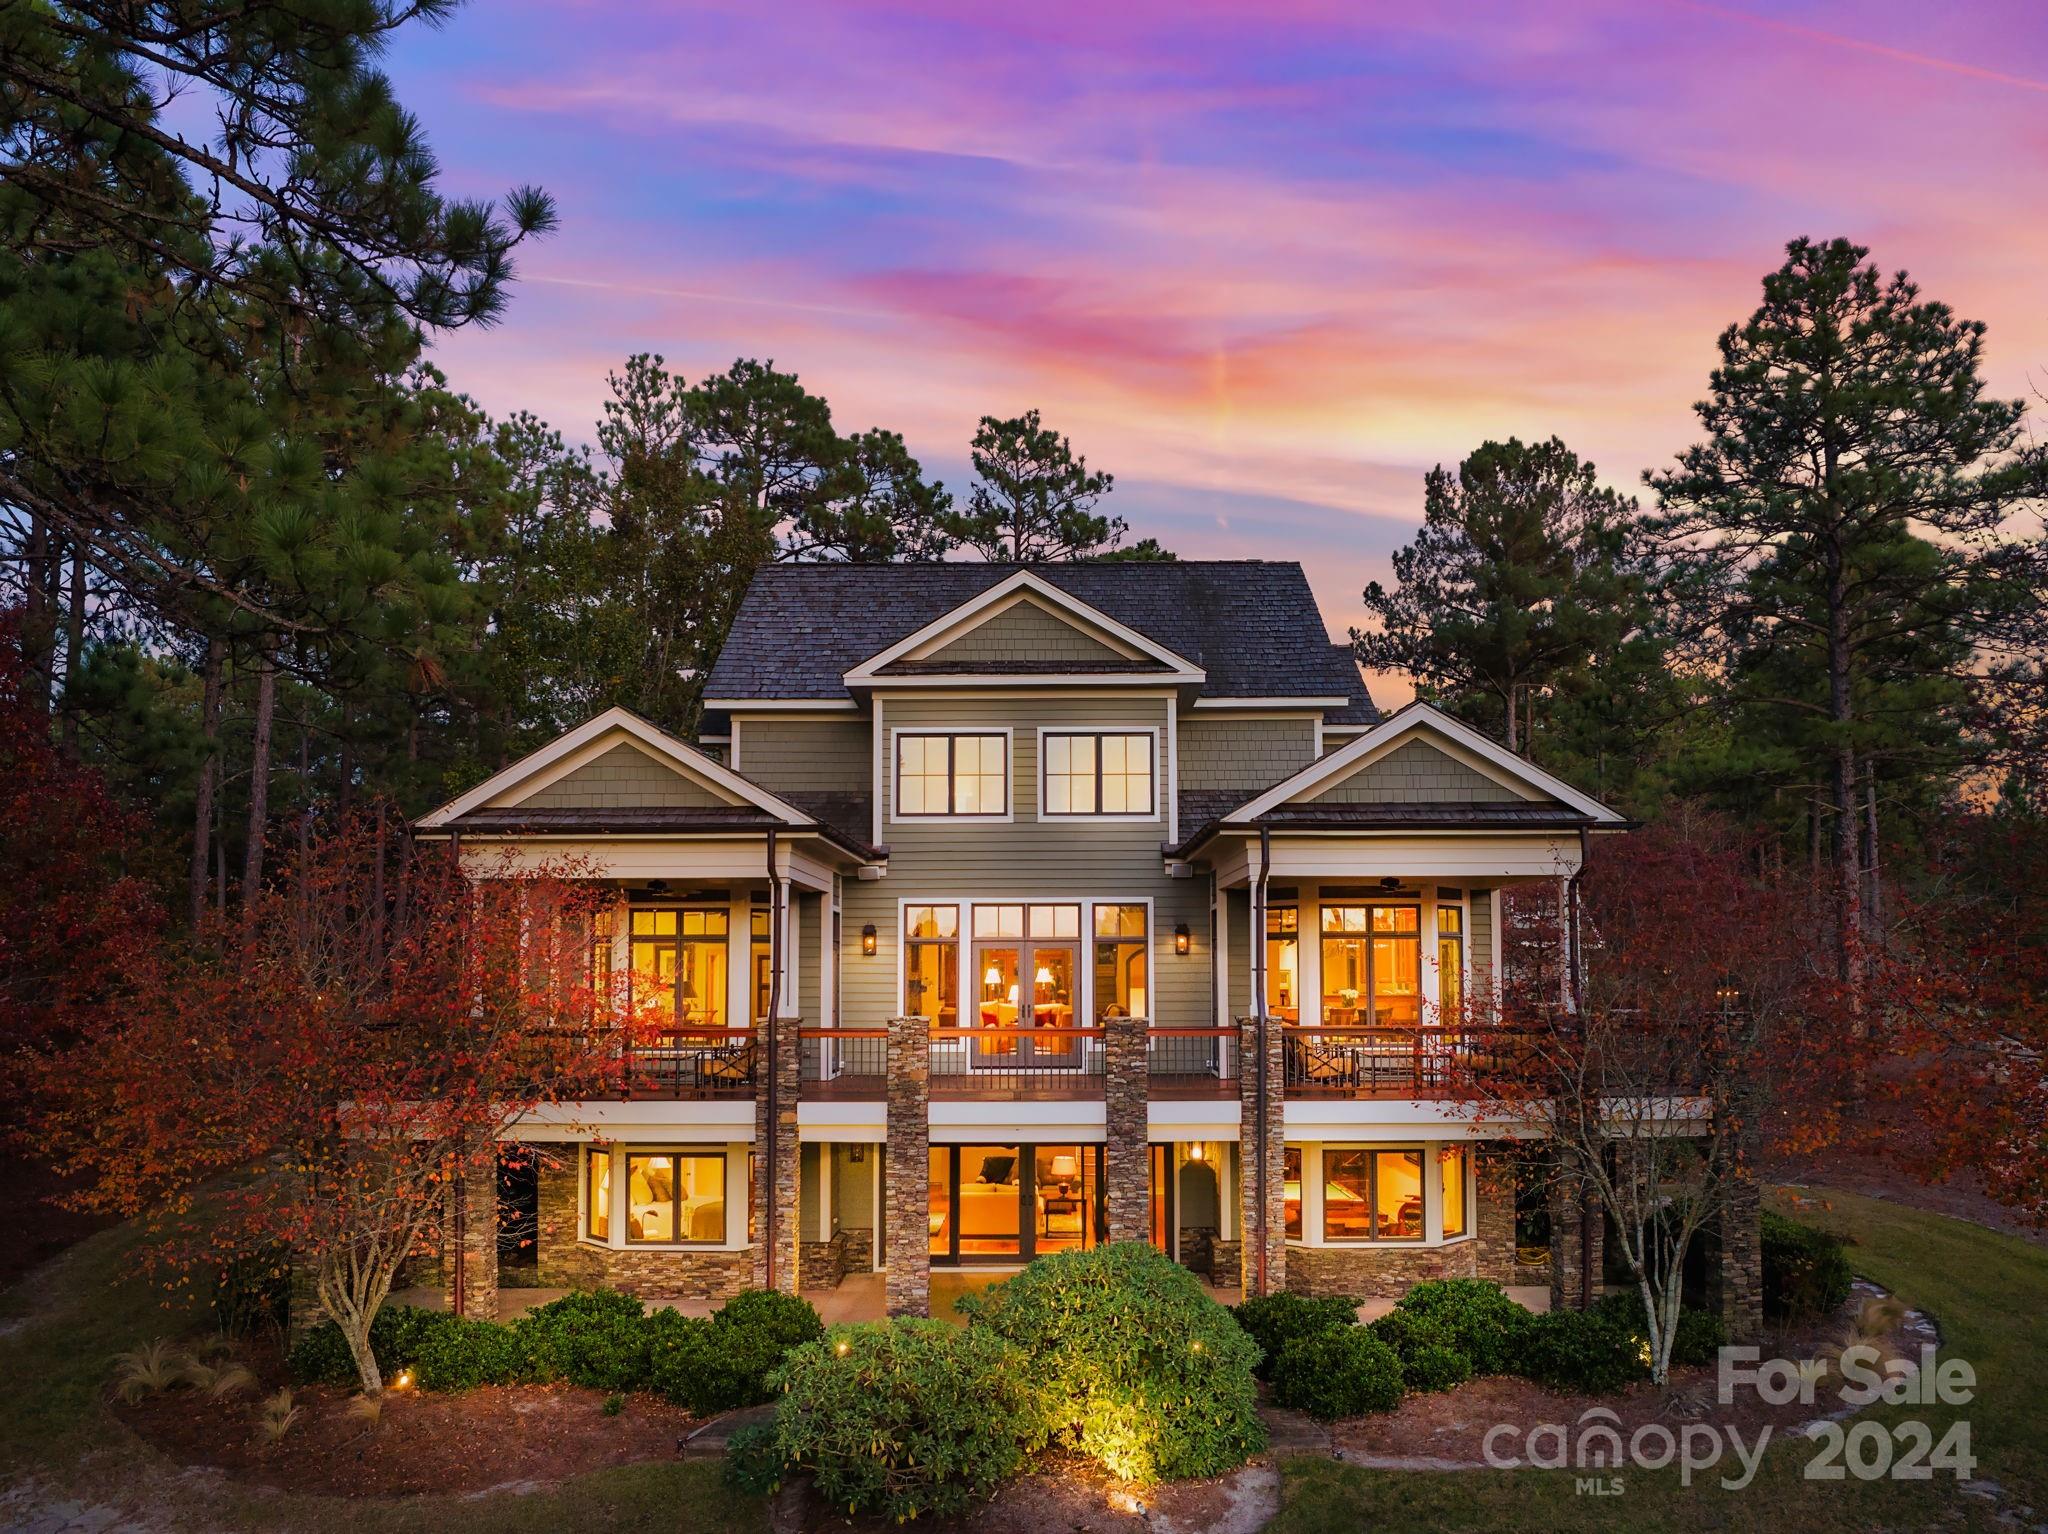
(1065, 960)
(1098, 774)
(963, 773)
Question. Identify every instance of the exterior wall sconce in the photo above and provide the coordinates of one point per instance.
(868, 940)
(1183, 939)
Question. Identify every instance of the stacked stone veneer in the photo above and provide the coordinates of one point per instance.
(1127, 1094)
(1738, 1278)
(908, 1191)
(1578, 1242)
(1261, 1199)
(650, 1273)
(775, 1176)
(472, 1223)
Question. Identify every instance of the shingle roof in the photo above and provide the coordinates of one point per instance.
(1252, 625)
(1314, 816)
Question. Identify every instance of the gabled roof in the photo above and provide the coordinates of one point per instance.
(1137, 653)
(495, 806)
(1543, 801)
(1251, 627)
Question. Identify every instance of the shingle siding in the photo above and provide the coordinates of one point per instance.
(1024, 632)
(1416, 773)
(800, 755)
(1479, 958)
(1242, 755)
(625, 777)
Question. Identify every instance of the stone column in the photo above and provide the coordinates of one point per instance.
(470, 1244)
(1127, 1094)
(776, 1190)
(1577, 1242)
(1738, 1276)
(1261, 1102)
(908, 1259)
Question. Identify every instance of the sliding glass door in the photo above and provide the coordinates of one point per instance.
(1005, 1204)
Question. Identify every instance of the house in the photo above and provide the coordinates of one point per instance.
(1000, 910)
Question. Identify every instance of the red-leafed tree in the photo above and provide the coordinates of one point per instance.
(312, 1076)
(1963, 1082)
(72, 918)
(1682, 1038)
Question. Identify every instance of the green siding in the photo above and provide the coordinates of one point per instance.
(810, 925)
(1026, 858)
(1025, 632)
(1243, 754)
(808, 1181)
(1239, 950)
(624, 777)
(853, 1188)
(1416, 772)
(1480, 957)
(798, 755)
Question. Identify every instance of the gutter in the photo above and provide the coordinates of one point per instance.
(769, 1212)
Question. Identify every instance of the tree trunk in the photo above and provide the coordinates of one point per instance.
(1513, 741)
(1842, 787)
(38, 622)
(259, 771)
(209, 774)
(1873, 903)
(74, 651)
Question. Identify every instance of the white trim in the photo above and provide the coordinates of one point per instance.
(1009, 679)
(1172, 776)
(1500, 764)
(892, 765)
(1098, 730)
(782, 705)
(997, 598)
(878, 740)
(1294, 704)
(732, 749)
(658, 743)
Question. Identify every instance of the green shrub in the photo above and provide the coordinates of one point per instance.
(1699, 1338)
(461, 1355)
(1274, 1320)
(899, 1419)
(397, 1334)
(1585, 1351)
(1435, 1367)
(1143, 1372)
(1344, 1372)
(754, 1461)
(1473, 1316)
(1806, 1271)
(598, 1340)
(722, 1364)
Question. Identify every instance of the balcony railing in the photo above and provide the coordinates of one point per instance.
(1192, 1062)
(845, 1063)
(693, 1062)
(1002, 1064)
(1389, 1062)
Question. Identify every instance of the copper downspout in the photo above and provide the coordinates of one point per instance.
(459, 1300)
(775, 909)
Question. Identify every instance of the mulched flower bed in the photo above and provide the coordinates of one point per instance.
(1447, 1430)
(513, 1437)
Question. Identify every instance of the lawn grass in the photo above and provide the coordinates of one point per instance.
(1986, 1291)
(55, 1430)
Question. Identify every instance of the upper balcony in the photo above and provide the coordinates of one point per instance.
(1019, 1064)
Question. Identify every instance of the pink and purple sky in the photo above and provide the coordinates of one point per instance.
(1267, 263)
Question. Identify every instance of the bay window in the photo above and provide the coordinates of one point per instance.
(675, 1197)
(1372, 1195)
(1372, 966)
(679, 966)
(1454, 1170)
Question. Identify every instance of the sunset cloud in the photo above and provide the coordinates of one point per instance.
(1266, 263)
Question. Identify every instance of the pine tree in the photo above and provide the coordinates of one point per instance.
(1844, 531)
(1034, 498)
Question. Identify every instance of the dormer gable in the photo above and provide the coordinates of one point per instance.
(616, 761)
(1422, 756)
(1024, 626)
